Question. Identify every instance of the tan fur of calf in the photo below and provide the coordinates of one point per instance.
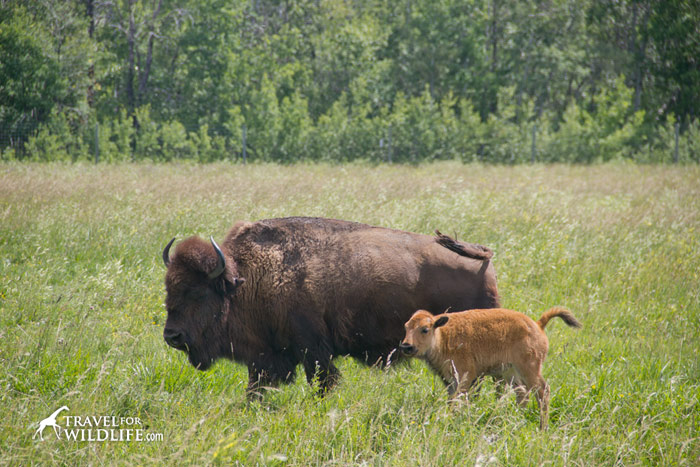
(464, 346)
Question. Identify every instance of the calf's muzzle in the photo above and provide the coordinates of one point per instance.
(407, 349)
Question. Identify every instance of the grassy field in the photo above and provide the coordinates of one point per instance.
(81, 293)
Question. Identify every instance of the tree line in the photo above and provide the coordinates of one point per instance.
(501, 81)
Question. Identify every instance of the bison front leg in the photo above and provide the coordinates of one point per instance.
(269, 373)
(315, 351)
(258, 380)
(318, 365)
(323, 371)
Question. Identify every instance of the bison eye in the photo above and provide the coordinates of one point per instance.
(424, 330)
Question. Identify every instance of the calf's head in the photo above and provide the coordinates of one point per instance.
(420, 333)
(198, 284)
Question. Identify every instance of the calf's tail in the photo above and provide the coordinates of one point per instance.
(558, 312)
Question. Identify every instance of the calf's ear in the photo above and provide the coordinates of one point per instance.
(441, 321)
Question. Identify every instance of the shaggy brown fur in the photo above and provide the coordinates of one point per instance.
(305, 290)
(508, 345)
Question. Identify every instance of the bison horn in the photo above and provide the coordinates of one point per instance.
(222, 261)
(166, 253)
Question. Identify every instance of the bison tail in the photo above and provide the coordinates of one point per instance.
(470, 250)
(558, 312)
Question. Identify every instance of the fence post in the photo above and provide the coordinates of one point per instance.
(97, 142)
(533, 150)
(675, 152)
(389, 144)
(245, 155)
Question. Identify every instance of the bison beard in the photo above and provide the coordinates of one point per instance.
(280, 292)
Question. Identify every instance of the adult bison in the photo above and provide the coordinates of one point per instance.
(280, 292)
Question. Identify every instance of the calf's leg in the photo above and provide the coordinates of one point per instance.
(543, 401)
(463, 379)
(534, 382)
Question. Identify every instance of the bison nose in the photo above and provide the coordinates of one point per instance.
(407, 349)
(174, 338)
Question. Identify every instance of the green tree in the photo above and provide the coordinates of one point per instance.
(31, 82)
(675, 31)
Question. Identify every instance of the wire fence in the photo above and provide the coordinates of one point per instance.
(15, 139)
(532, 146)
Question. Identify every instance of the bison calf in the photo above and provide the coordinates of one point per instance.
(507, 345)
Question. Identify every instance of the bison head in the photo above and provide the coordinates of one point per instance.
(198, 284)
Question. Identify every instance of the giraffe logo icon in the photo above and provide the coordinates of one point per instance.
(49, 421)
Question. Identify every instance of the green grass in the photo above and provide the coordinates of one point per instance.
(81, 315)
